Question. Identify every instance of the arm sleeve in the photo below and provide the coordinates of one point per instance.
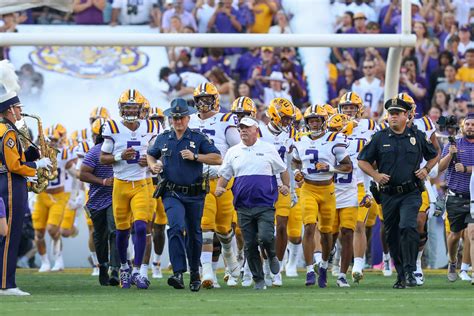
(226, 170)
(232, 136)
(369, 152)
(295, 154)
(340, 152)
(108, 146)
(155, 150)
(13, 160)
(207, 146)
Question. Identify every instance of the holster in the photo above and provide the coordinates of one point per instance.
(160, 187)
(374, 189)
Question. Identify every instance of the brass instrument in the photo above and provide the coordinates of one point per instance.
(44, 175)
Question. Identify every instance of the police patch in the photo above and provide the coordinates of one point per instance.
(11, 143)
(413, 140)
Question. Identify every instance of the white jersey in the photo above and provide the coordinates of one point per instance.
(371, 93)
(63, 179)
(362, 134)
(216, 128)
(425, 124)
(346, 184)
(123, 138)
(310, 152)
(159, 130)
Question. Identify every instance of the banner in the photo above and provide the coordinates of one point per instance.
(63, 84)
(9, 6)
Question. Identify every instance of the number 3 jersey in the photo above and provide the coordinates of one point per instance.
(123, 138)
(330, 149)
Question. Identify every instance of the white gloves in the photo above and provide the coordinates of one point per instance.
(77, 201)
(33, 179)
(213, 171)
(44, 163)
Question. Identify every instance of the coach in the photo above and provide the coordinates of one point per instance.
(458, 159)
(254, 164)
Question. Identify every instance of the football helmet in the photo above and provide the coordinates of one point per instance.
(145, 110)
(330, 109)
(351, 98)
(314, 111)
(156, 113)
(56, 134)
(298, 118)
(206, 97)
(281, 113)
(337, 122)
(99, 111)
(244, 106)
(130, 105)
(408, 99)
(97, 125)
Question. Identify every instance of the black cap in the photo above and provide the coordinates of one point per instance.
(179, 108)
(397, 104)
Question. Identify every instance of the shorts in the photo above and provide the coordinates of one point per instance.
(49, 209)
(295, 219)
(152, 201)
(365, 215)
(283, 205)
(459, 215)
(68, 219)
(218, 211)
(372, 216)
(160, 214)
(346, 217)
(425, 201)
(130, 198)
(319, 205)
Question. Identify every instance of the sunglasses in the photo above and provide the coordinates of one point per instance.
(368, 67)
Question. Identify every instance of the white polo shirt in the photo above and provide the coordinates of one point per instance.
(254, 169)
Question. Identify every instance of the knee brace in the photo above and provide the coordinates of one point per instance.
(207, 238)
(217, 248)
(225, 238)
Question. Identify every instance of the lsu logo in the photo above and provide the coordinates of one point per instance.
(89, 62)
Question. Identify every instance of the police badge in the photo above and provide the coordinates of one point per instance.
(413, 140)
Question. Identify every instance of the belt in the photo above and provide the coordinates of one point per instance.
(403, 188)
(191, 190)
(459, 195)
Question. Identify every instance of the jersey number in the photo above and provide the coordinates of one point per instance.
(343, 178)
(137, 155)
(57, 181)
(368, 99)
(282, 152)
(209, 132)
(314, 160)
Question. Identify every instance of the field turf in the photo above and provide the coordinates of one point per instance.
(75, 292)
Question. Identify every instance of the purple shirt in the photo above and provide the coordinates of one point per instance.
(2, 209)
(100, 197)
(458, 182)
(91, 15)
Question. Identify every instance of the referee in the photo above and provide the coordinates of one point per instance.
(397, 152)
(254, 164)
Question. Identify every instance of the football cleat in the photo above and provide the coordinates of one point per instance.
(335, 269)
(464, 276)
(125, 279)
(45, 267)
(387, 268)
(226, 274)
(247, 280)
(323, 277)
(342, 282)
(58, 265)
(156, 271)
(95, 271)
(140, 281)
(260, 285)
(290, 270)
(452, 275)
(357, 276)
(310, 278)
(277, 280)
(207, 276)
(14, 292)
(420, 279)
(215, 282)
(231, 281)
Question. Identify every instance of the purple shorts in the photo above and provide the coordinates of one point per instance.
(2, 209)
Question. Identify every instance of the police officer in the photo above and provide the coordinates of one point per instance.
(15, 166)
(181, 153)
(397, 152)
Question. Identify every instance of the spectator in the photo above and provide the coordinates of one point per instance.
(441, 100)
(437, 76)
(246, 61)
(225, 19)
(246, 15)
(47, 15)
(374, 28)
(215, 59)
(258, 71)
(359, 6)
(452, 46)
(450, 86)
(466, 72)
(187, 19)
(176, 26)
(203, 12)
(282, 26)
(183, 63)
(243, 90)
(224, 85)
(264, 11)
(297, 87)
(460, 107)
(413, 84)
(370, 89)
(360, 23)
(183, 85)
(275, 90)
(347, 23)
(434, 114)
(135, 13)
(465, 42)
(423, 45)
(447, 27)
(89, 11)
(346, 80)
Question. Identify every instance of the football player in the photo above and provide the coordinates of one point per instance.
(280, 133)
(243, 107)
(125, 143)
(362, 130)
(218, 211)
(346, 203)
(317, 157)
(49, 207)
(98, 112)
(428, 196)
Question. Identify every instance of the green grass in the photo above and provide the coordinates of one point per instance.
(74, 292)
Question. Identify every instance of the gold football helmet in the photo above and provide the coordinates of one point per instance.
(337, 122)
(244, 106)
(97, 125)
(206, 97)
(408, 99)
(351, 98)
(98, 111)
(130, 105)
(316, 111)
(281, 113)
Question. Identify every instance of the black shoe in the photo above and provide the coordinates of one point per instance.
(400, 284)
(176, 281)
(104, 275)
(410, 279)
(114, 277)
(195, 282)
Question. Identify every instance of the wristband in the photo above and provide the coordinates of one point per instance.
(465, 169)
(118, 157)
(296, 171)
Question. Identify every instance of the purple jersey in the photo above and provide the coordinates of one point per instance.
(458, 182)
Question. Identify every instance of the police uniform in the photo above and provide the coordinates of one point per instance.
(184, 194)
(14, 169)
(399, 156)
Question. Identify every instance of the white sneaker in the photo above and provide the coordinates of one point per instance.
(277, 280)
(207, 276)
(58, 265)
(45, 267)
(156, 271)
(291, 271)
(335, 270)
(420, 279)
(387, 268)
(233, 266)
(268, 279)
(23, 263)
(95, 271)
(215, 283)
(231, 281)
(14, 292)
(247, 280)
(342, 282)
(464, 276)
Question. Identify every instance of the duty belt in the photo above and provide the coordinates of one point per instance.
(403, 188)
(191, 190)
(459, 195)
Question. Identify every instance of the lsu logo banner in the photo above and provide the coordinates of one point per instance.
(89, 62)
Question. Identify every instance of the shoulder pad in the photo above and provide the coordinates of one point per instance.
(428, 123)
(371, 124)
(151, 127)
(226, 117)
(113, 127)
(332, 136)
